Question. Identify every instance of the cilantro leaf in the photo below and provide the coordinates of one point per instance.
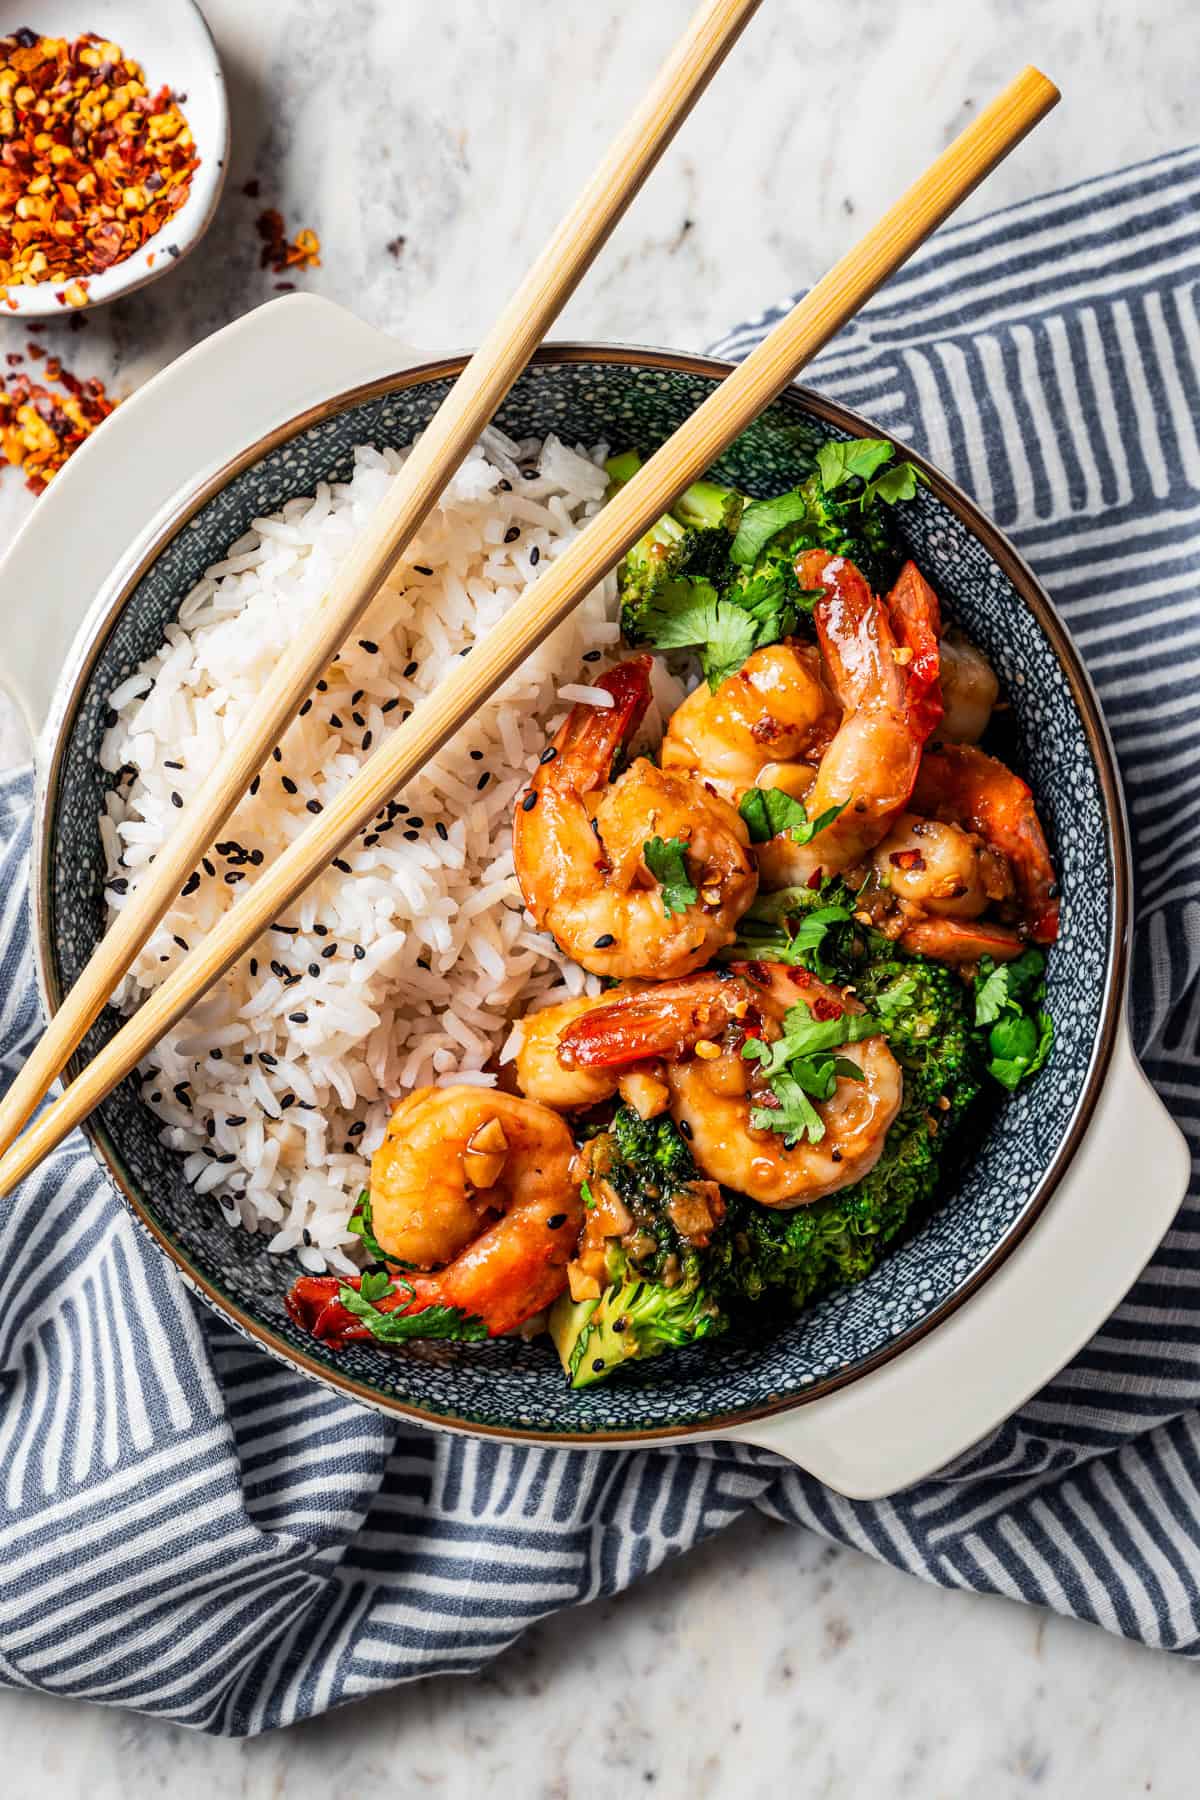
(1006, 998)
(764, 519)
(795, 1116)
(362, 1224)
(665, 861)
(799, 1064)
(687, 614)
(895, 484)
(839, 462)
(402, 1327)
(769, 811)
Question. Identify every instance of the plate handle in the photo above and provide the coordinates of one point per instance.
(189, 419)
(909, 1418)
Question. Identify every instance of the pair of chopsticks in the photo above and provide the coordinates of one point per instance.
(599, 547)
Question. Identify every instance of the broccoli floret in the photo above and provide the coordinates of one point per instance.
(656, 1294)
(842, 527)
(634, 1319)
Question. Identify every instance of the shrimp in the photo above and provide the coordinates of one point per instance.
(453, 1158)
(963, 785)
(699, 1027)
(885, 676)
(936, 877)
(582, 863)
(772, 720)
(969, 690)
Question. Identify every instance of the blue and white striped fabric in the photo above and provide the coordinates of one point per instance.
(190, 1530)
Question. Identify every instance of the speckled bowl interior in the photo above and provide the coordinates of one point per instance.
(517, 1388)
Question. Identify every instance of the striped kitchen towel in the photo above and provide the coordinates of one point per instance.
(190, 1530)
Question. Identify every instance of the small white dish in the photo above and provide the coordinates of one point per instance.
(171, 40)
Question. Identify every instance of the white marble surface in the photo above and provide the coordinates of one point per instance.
(462, 127)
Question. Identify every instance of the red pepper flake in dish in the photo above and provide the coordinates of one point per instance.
(40, 428)
(277, 253)
(92, 164)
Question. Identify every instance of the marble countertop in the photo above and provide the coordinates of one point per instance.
(432, 145)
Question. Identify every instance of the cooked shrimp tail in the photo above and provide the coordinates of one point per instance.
(962, 940)
(963, 783)
(590, 738)
(917, 621)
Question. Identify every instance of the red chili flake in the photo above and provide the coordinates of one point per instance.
(799, 978)
(907, 859)
(824, 1006)
(814, 880)
(280, 255)
(92, 163)
(39, 429)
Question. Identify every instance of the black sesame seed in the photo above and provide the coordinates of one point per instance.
(503, 486)
(288, 1100)
(287, 930)
(180, 1091)
(335, 721)
(357, 1129)
(548, 754)
(277, 754)
(556, 1221)
(176, 799)
(207, 866)
(512, 534)
(835, 1156)
(264, 1056)
(256, 857)
(591, 656)
(233, 876)
(389, 705)
(298, 1018)
(313, 806)
(410, 670)
(314, 968)
(370, 841)
(210, 1128)
(119, 885)
(247, 1059)
(685, 1128)
(253, 967)
(236, 1119)
(476, 755)
(182, 942)
(442, 832)
(217, 1055)
(306, 708)
(289, 786)
(620, 1324)
(535, 557)
(255, 785)
(356, 696)
(156, 1097)
(171, 765)
(598, 1365)
(322, 687)
(410, 837)
(421, 569)
(370, 648)
(483, 781)
(110, 718)
(359, 953)
(605, 941)
(342, 867)
(529, 802)
(328, 951)
(320, 931)
(358, 719)
(278, 969)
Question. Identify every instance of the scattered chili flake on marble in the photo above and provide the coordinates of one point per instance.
(41, 427)
(304, 252)
(92, 164)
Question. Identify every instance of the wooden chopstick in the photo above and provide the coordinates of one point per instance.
(632, 510)
(444, 443)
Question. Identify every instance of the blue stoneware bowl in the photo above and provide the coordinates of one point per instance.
(516, 1389)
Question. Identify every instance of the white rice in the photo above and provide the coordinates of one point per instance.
(423, 952)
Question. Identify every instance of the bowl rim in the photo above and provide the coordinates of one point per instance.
(175, 518)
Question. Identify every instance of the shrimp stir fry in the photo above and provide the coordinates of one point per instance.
(476, 1187)
(582, 845)
(697, 1030)
(768, 725)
